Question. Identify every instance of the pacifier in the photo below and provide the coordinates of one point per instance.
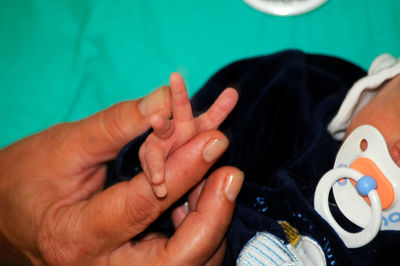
(365, 187)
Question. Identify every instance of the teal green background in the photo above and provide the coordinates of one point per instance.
(66, 59)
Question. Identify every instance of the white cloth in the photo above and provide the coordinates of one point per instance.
(269, 250)
(383, 68)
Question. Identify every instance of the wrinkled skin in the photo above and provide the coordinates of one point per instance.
(54, 210)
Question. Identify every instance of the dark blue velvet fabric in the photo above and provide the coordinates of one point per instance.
(279, 139)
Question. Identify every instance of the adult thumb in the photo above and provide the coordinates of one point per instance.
(102, 135)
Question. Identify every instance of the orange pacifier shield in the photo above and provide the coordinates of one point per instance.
(384, 187)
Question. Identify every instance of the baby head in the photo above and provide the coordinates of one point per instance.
(373, 100)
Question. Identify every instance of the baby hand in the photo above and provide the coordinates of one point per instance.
(168, 135)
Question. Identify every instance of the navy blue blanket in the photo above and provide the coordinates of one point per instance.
(279, 139)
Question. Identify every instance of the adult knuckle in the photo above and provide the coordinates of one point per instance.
(59, 242)
(113, 122)
(54, 251)
(142, 209)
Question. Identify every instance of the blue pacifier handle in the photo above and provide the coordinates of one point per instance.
(321, 205)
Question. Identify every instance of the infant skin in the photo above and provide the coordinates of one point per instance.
(170, 134)
(383, 112)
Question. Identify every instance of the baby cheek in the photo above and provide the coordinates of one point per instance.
(395, 152)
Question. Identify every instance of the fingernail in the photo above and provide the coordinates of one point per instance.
(160, 190)
(153, 102)
(185, 207)
(233, 184)
(214, 149)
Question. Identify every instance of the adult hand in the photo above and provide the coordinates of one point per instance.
(53, 209)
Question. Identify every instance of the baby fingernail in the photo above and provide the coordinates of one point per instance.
(153, 102)
(160, 190)
(233, 184)
(214, 149)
